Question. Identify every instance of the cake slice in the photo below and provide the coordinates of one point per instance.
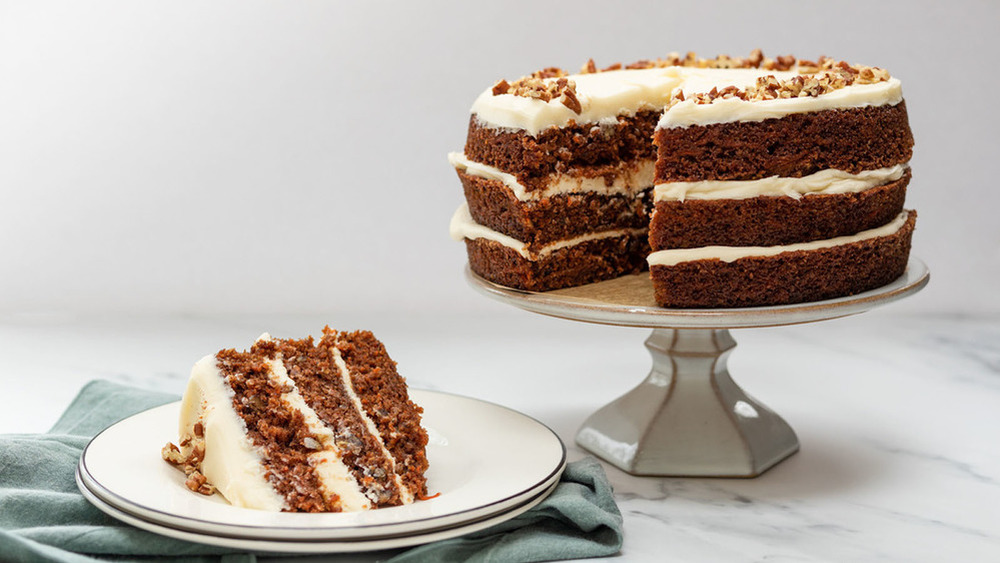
(302, 426)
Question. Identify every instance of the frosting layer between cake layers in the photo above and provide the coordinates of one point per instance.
(672, 257)
(463, 226)
(822, 182)
(627, 179)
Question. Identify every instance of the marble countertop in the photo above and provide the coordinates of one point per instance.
(898, 416)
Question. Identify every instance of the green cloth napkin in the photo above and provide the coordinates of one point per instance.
(43, 517)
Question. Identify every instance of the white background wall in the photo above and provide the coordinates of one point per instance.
(248, 156)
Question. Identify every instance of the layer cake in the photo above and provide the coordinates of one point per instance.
(571, 179)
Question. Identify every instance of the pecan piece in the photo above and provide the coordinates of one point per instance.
(171, 454)
(570, 100)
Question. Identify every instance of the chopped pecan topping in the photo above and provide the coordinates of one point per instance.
(199, 483)
(190, 463)
(540, 86)
(171, 454)
(550, 72)
(783, 62)
(570, 100)
(691, 59)
(197, 452)
(815, 78)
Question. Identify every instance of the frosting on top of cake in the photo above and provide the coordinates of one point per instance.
(604, 96)
(688, 112)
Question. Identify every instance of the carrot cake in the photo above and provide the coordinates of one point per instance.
(674, 163)
(302, 426)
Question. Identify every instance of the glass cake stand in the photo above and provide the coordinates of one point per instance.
(688, 417)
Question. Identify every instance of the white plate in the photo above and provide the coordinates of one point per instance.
(304, 546)
(484, 460)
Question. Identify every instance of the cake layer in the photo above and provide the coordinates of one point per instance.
(757, 276)
(586, 262)
(852, 140)
(773, 220)
(539, 222)
(533, 159)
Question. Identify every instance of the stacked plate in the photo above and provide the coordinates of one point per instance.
(488, 464)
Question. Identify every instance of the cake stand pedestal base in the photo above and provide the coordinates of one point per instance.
(688, 417)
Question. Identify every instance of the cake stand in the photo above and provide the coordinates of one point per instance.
(688, 417)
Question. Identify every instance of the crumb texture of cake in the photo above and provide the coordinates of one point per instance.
(563, 174)
(292, 425)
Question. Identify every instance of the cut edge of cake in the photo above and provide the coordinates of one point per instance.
(289, 426)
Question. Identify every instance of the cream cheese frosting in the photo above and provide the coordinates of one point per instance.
(231, 463)
(630, 179)
(672, 257)
(688, 113)
(822, 182)
(463, 226)
(604, 96)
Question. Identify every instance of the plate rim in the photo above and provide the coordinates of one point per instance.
(324, 533)
(81, 481)
(299, 546)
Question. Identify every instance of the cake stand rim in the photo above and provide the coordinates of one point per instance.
(914, 278)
